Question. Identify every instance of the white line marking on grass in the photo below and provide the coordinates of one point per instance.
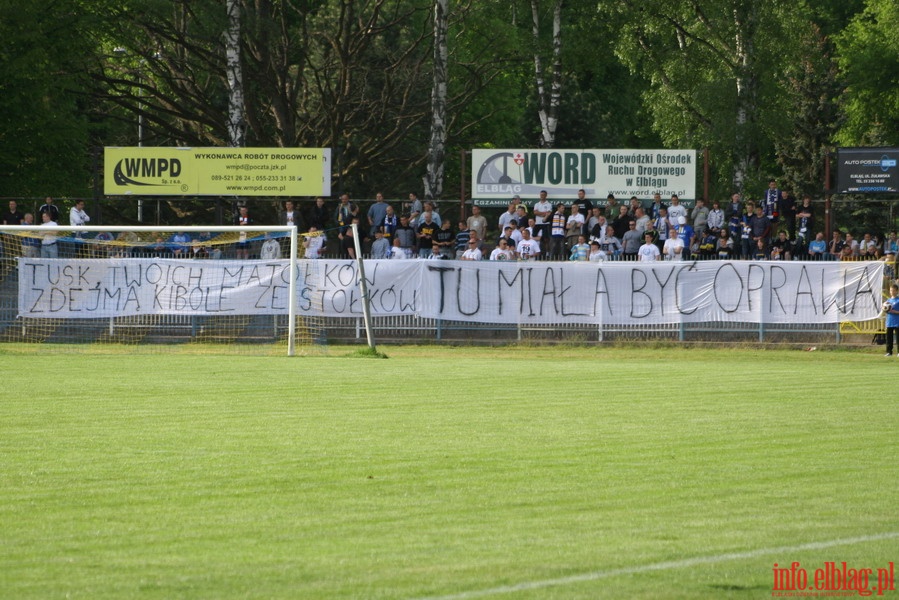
(661, 566)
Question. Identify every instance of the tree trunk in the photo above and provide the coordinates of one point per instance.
(433, 181)
(237, 123)
(548, 107)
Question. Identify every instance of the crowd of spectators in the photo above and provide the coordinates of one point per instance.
(775, 227)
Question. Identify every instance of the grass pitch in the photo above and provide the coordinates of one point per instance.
(551, 472)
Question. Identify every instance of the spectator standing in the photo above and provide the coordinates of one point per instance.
(674, 246)
(49, 249)
(508, 216)
(243, 219)
(557, 233)
(344, 214)
(446, 240)
(574, 226)
(48, 207)
(314, 242)
(290, 215)
(771, 201)
(318, 216)
(699, 217)
(13, 216)
(543, 211)
(31, 243)
(427, 229)
(462, 237)
(376, 213)
(787, 208)
(676, 210)
(734, 207)
(715, 220)
(78, 217)
(585, 207)
(631, 241)
(760, 226)
(478, 222)
(391, 222)
(406, 235)
(891, 306)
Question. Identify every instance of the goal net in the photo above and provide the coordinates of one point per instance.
(214, 288)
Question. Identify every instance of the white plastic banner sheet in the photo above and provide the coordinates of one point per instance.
(620, 293)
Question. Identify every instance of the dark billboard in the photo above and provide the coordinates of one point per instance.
(867, 171)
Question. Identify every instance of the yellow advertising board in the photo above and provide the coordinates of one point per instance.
(162, 171)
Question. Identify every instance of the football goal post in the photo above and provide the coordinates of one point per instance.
(244, 288)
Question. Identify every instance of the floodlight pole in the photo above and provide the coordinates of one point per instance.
(363, 287)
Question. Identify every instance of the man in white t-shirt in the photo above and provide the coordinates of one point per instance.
(676, 210)
(648, 252)
(528, 248)
(314, 243)
(542, 212)
(473, 252)
(502, 252)
(674, 246)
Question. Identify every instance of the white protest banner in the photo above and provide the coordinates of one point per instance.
(664, 292)
(92, 288)
(329, 287)
(482, 292)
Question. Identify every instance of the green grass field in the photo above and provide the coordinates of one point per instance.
(524, 472)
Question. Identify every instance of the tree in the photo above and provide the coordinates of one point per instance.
(433, 180)
(44, 116)
(868, 54)
(548, 102)
(712, 69)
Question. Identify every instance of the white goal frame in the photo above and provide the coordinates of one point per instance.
(290, 229)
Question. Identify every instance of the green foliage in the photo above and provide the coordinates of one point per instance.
(868, 51)
(43, 111)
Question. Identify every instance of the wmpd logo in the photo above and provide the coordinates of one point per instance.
(137, 171)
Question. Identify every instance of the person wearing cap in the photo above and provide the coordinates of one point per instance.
(597, 254)
(686, 233)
